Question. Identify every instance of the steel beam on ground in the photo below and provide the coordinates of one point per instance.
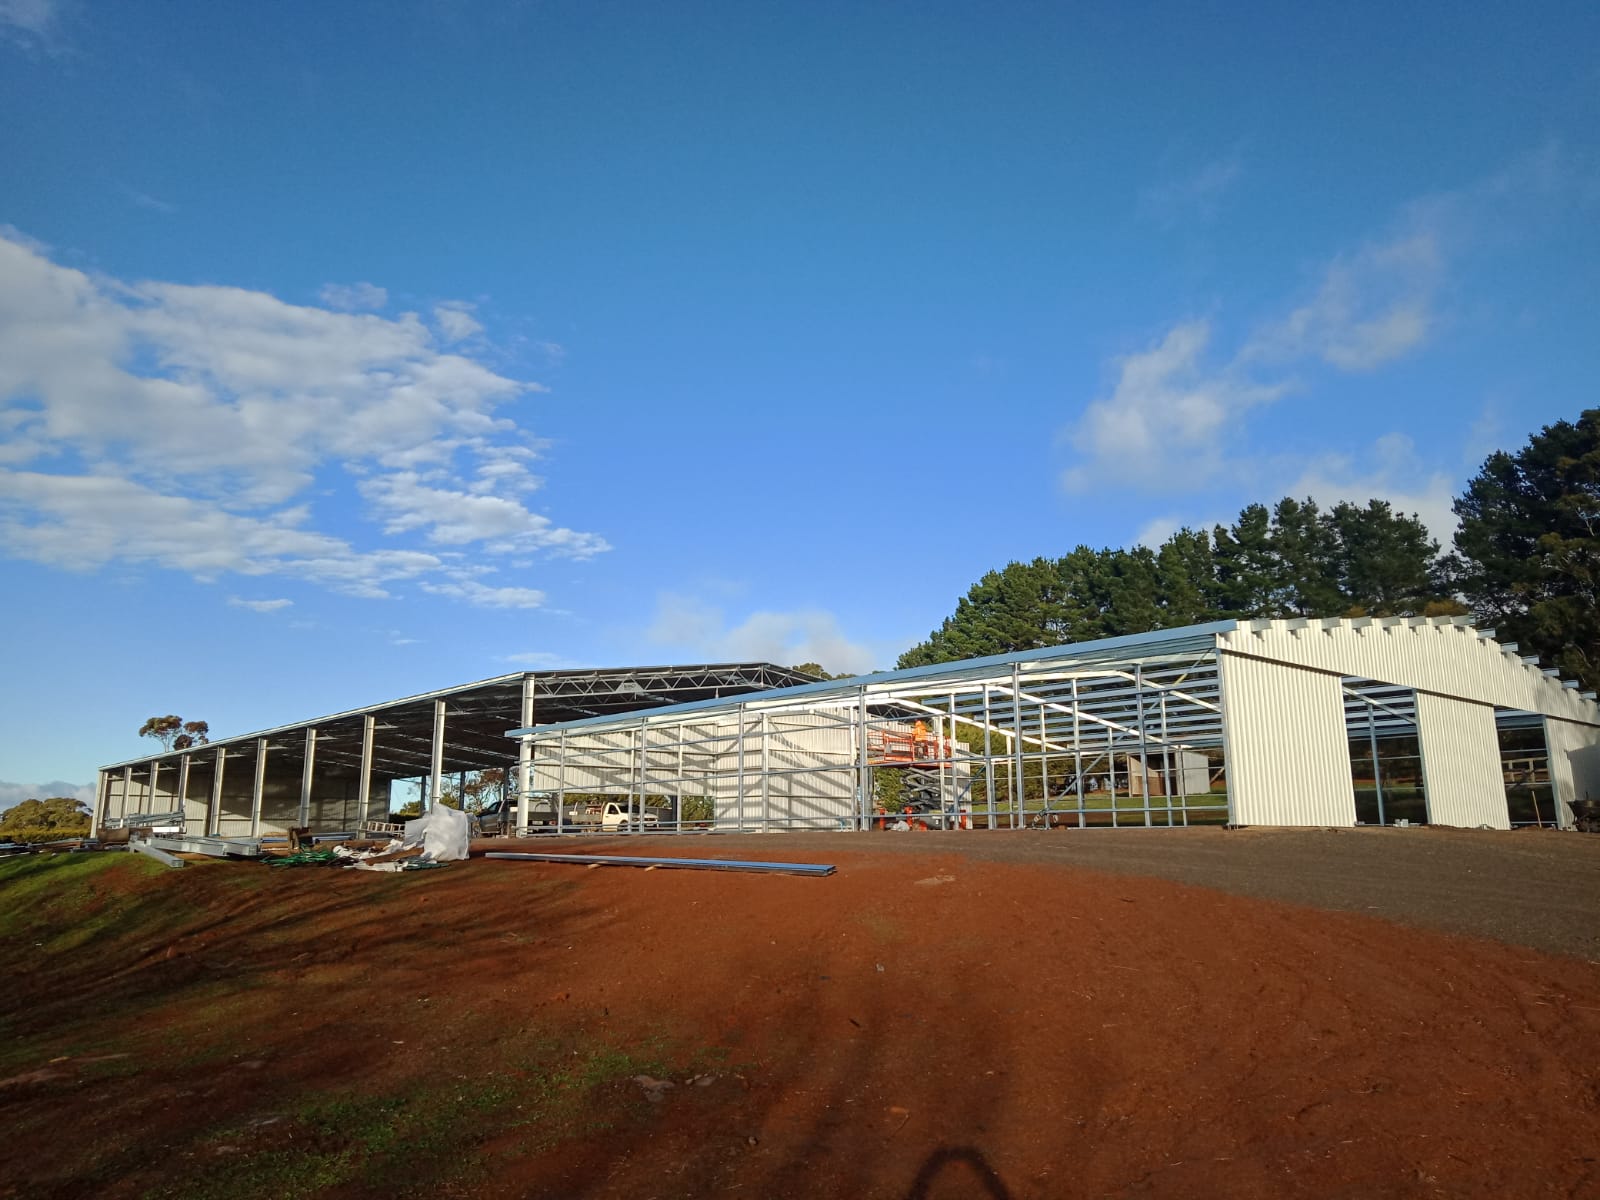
(149, 851)
(692, 864)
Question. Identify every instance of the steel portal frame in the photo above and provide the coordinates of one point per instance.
(1107, 734)
(431, 736)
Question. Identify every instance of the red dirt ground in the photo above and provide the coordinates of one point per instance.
(913, 1026)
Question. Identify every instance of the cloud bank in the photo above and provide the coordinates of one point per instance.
(785, 638)
(195, 428)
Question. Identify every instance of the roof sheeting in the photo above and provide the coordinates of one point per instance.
(478, 714)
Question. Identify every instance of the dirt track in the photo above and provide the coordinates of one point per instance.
(1532, 888)
(920, 1024)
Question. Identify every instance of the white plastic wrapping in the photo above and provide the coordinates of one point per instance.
(444, 834)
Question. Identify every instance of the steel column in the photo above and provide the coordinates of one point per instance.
(183, 788)
(258, 786)
(214, 809)
(863, 767)
(988, 759)
(102, 797)
(369, 730)
(436, 771)
(1077, 752)
(306, 774)
(738, 782)
(1377, 778)
(524, 758)
(1019, 819)
(561, 789)
(766, 767)
(1144, 743)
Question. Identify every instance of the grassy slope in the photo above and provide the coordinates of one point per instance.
(124, 998)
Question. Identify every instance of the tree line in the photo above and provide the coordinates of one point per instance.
(1525, 560)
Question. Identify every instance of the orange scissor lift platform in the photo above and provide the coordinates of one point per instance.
(894, 748)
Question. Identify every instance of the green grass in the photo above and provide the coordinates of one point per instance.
(413, 1142)
(54, 903)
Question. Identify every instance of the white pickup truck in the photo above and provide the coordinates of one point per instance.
(613, 817)
(500, 818)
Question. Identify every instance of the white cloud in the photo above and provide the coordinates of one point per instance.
(1195, 197)
(1368, 309)
(1389, 470)
(542, 660)
(1157, 530)
(82, 522)
(456, 321)
(1162, 424)
(1179, 408)
(1182, 402)
(146, 200)
(482, 595)
(785, 638)
(31, 23)
(260, 606)
(450, 517)
(12, 794)
(185, 426)
(353, 297)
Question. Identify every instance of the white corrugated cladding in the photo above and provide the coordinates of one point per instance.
(1445, 657)
(1430, 654)
(1461, 763)
(1574, 763)
(602, 762)
(1288, 756)
(800, 771)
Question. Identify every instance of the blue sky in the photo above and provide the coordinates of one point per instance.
(348, 351)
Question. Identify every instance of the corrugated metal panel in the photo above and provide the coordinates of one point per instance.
(810, 779)
(1574, 763)
(1434, 655)
(808, 760)
(1288, 756)
(1461, 763)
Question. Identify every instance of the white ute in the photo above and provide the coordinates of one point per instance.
(613, 817)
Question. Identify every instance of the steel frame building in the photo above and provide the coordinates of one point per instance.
(335, 772)
(1245, 722)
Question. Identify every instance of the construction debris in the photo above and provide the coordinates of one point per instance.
(215, 847)
(161, 856)
(306, 858)
(690, 864)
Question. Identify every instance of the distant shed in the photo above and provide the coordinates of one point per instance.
(333, 772)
